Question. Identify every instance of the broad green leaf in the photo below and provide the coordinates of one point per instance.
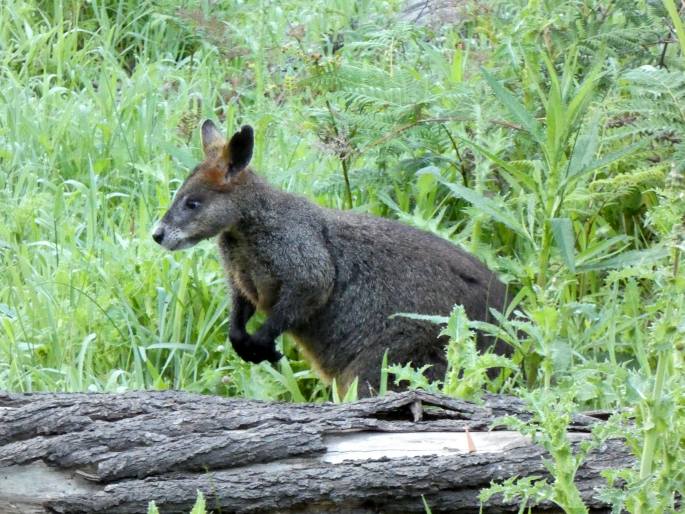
(352, 394)
(606, 160)
(383, 389)
(200, 506)
(583, 96)
(629, 258)
(562, 229)
(585, 147)
(183, 155)
(515, 108)
(487, 153)
(457, 69)
(335, 395)
(598, 249)
(287, 379)
(555, 114)
(486, 206)
(171, 346)
(522, 176)
(561, 354)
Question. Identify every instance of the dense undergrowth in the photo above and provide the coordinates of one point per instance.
(548, 137)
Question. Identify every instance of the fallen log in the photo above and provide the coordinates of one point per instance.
(87, 453)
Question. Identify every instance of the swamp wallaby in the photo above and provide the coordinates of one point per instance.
(332, 279)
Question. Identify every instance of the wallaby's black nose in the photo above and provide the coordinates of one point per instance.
(158, 235)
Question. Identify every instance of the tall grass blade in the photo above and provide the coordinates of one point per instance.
(606, 160)
(562, 229)
(518, 112)
(487, 207)
(677, 23)
(647, 257)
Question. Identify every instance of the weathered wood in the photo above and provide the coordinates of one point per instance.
(115, 453)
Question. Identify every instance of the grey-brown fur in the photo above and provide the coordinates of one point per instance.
(333, 279)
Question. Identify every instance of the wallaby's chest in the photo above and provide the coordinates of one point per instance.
(249, 271)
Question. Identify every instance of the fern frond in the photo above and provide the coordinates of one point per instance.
(614, 189)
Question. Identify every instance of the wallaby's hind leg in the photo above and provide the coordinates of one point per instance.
(368, 368)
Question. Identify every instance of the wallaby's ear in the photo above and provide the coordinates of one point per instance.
(210, 136)
(240, 149)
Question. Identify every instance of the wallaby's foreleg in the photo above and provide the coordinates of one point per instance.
(295, 306)
(241, 312)
(247, 349)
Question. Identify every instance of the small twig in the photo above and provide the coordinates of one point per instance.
(344, 157)
(605, 13)
(507, 124)
(407, 126)
(662, 63)
(462, 169)
(416, 408)
(469, 441)
(423, 8)
(404, 128)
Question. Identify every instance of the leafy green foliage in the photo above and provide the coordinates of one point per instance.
(200, 504)
(467, 372)
(548, 427)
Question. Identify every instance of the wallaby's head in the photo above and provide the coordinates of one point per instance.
(205, 204)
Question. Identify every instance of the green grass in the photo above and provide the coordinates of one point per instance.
(546, 137)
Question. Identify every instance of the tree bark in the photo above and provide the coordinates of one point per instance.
(89, 453)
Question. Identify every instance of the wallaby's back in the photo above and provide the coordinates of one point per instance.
(383, 267)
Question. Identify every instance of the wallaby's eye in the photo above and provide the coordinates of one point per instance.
(192, 203)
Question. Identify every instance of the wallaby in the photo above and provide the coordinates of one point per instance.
(332, 279)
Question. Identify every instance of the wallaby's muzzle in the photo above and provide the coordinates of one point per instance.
(158, 235)
(172, 238)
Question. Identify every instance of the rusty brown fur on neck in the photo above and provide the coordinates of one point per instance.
(333, 279)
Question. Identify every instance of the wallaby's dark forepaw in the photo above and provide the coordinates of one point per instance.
(241, 342)
(252, 349)
(260, 353)
(265, 349)
(273, 356)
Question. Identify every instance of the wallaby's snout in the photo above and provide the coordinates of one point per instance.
(158, 234)
(174, 238)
